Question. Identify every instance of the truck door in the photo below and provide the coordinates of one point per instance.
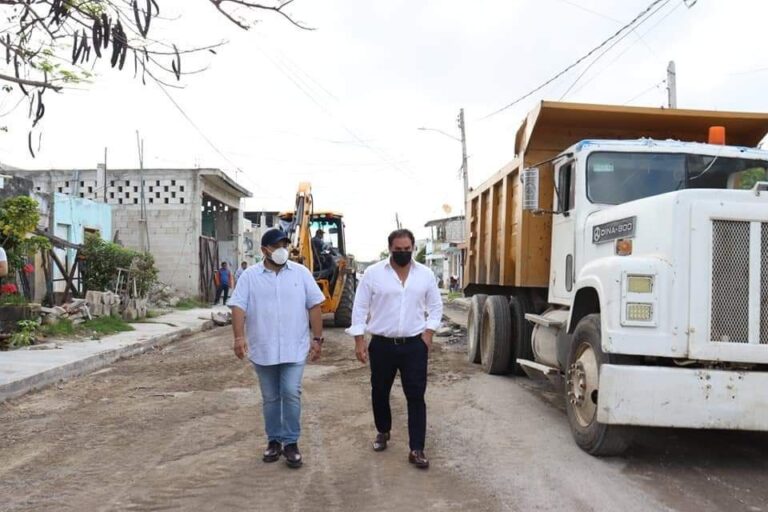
(563, 264)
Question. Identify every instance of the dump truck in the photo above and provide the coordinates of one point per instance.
(329, 261)
(623, 256)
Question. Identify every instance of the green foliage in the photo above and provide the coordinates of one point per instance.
(748, 178)
(63, 328)
(18, 219)
(421, 256)
(12, 299)
(25, 333)
(185, 304)
(104, 325)
(383, 255)
(103, 258)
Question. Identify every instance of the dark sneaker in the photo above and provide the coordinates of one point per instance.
(380, 443)
(273, 452)
(292, 455)
(418, 459)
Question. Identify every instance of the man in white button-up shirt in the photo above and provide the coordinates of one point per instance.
(398, 303)
(275, 303)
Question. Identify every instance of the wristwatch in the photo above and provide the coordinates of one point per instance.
(319, 340)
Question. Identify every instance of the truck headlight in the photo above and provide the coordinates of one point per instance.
(640, 284)
(639, 312)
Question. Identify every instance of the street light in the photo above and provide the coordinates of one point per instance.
(463, 141)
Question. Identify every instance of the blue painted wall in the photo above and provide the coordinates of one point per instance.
(80, 214)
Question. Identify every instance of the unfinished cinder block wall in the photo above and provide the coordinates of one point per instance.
(173, 210)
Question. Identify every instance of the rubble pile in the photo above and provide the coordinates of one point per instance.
(76, 311)
(453, 331)
(163, 296)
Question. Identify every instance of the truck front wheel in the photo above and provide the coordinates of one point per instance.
(581, 392)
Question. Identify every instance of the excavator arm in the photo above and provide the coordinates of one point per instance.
(299, 232)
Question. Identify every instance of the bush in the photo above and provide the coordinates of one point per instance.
(103, 258)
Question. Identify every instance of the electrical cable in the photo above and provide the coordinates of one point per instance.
(594, 50)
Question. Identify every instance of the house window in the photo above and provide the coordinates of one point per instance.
(181, 200)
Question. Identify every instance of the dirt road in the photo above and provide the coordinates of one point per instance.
(181, 429)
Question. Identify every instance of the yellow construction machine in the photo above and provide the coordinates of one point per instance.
(326, 256)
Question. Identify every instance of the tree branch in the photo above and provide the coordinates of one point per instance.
(31, 83)
(251, 5)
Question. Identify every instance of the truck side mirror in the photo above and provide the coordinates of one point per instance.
(529, 179)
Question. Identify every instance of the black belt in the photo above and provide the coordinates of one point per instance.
(397, 341)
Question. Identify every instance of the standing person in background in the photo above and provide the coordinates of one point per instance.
(239, 271)
(398, 303)
(223, 280)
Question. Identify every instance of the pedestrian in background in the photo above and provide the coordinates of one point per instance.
(399, 304)
(239, 271)
(275, 304)
(223, 280)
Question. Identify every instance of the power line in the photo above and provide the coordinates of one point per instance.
(619, 32)
(201, 133)
(646, 91)
(625, 50)
(609, 48)
(305, 89)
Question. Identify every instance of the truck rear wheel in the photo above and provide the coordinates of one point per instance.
(342, 317)
(581, 393)
(495, 346)
(521, 332)
(474, 327)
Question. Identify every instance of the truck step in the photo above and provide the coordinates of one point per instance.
(536, 371)
(546, 322)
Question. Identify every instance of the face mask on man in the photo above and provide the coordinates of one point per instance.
(279, 256)
(402, 258)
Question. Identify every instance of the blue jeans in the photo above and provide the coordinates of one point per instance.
(281, 400)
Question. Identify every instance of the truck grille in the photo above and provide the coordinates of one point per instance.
(730, 282)
(764, 287)
(737, 316)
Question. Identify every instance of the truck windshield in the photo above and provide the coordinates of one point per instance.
(615, 178)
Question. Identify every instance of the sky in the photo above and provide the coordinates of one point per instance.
(341, 106)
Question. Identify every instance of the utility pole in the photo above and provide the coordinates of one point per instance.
(464, 157)
(672, 85)
(143, 229)
(397, 221)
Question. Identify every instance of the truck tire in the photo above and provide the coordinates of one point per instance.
(521, 348)
(495, 346)
(475, 327)
(581, 391)
(342, 317)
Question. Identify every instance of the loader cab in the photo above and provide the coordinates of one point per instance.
(332, 225)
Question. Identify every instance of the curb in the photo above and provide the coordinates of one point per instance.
(82, 367)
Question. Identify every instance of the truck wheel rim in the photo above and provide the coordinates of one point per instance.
(582, 385)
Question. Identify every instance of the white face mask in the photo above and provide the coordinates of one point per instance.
(279, 256)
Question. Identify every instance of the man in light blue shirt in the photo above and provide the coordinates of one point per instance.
(275, 303)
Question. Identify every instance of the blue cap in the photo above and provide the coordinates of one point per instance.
(273, 236)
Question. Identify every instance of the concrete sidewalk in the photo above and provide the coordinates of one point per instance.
(24, 370)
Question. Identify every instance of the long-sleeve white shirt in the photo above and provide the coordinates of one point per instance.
(387, 307)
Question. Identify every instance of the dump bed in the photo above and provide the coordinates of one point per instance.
(510, 247)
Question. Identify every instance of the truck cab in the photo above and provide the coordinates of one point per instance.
(639, 281)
